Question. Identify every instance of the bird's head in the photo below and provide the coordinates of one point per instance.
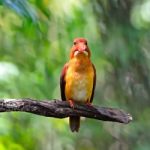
(80, 48)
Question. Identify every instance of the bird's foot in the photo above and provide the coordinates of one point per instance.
(89, 104)
(71, 103)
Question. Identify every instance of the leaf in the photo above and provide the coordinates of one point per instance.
(22, 8)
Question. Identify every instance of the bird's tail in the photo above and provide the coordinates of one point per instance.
(74, 123)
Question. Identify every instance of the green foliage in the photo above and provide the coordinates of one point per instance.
(35, 39)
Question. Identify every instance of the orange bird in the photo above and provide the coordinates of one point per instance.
(78, 79)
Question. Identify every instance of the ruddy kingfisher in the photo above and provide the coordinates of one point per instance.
(78, 79)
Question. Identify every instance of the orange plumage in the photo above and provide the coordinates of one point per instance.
(78, 78)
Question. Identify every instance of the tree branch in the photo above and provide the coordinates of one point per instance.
(61, 109)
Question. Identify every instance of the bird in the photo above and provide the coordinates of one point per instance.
(78, 79)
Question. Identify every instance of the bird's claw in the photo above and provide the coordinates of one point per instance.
(89, 104)
(71, 103)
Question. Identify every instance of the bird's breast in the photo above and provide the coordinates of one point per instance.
(80, 87)
(79, 84)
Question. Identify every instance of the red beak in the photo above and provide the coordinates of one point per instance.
(82, 47)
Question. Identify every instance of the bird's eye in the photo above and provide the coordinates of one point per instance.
(85, 43)
(74, 43)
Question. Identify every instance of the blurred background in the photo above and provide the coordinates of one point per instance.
(35, 41)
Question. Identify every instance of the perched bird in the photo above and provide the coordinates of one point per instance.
(78, 79)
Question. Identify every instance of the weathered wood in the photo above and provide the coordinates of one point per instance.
(61, 109)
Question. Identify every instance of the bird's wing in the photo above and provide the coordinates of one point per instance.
(63, 82)
(94, 84)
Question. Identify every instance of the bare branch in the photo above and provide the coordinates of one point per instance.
(61, 109)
